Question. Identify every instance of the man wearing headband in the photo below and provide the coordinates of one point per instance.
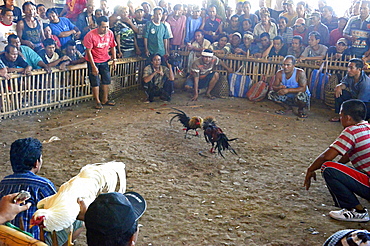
(202, 74)
(112, 219)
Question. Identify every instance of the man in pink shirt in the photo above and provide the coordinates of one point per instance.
(178, 23)
(98, 42)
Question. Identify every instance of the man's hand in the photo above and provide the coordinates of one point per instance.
(195, 97)
(230, 70)
(47, 69)
(77, 35)
(138, 51)
(147, 53)
(8, 209)
(114, 64)
(307, 180)
(338, 91)
(283, 92)
(94, 70)
(83, 208)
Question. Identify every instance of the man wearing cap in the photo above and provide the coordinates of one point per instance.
(357, 84)
(317, 26)
(140, 23)
(290, 14)
(338, 32)
(340, 50)
(112, 219)
(202, 75)
(357, 30)
(300, 29)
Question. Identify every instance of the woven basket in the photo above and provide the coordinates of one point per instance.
(221, 88)
(329, 94)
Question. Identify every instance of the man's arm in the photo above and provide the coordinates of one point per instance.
(146, 47)
(9, 209)
(277, 83)
(91, 61)
(196, 83)
(328, 155)
(229, 70)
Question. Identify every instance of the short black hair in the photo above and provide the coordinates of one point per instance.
(118, 238)
(26, 4)
(294, 60)
(24, 153)
(70, 43)
(10, 37)
(48, 41)
(144, 3)
(299, 38)
(284, 18)
(354, 108)
(99, 10)
(234, 16)
(315, 34)
(154, 55)
(249, 20)
(223, 36)
(4, 10)
(358, 62)
(278, 38)
(265, 34)
(50, 11)
(157, 8)
(45, 25)
(101, 19)
(247, 2)
(39, 5)
(199, 30)
(7, 48)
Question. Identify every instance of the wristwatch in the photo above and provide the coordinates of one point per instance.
(115, 59)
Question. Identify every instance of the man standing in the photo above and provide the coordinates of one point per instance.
(202, 74)
(343, 181)
(156, 34)
(7, 27)
(357, 30)
(317, 26)
(97, 43)
(358, 84)
(290, 88)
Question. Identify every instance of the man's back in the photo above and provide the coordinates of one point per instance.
(38, 187)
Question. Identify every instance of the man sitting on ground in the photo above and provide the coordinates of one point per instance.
(158, 79)
(290, 88)
(14, 62)
(358, 84)
(202, 74)
(112, 219)
(343, 181)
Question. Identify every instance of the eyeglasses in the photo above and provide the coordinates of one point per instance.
(298, 25)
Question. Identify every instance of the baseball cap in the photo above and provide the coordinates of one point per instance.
(112, 213)
(237, 34)
(139, 8)
(290, 2)
(315, 14)
(342, 40)
(300, 21)
(196, 8)
(354, 236)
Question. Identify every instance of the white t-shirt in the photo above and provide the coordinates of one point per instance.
(5, 31)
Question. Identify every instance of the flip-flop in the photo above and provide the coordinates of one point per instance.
(281, 112)
(99, 106)
(334, 119)
(210, 97)
(110, 103)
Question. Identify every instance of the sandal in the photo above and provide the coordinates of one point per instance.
(99, 106)
(210, 97)
(281, 112)
(110, 103)
(334, 119)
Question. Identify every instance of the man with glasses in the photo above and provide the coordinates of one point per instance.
(290, 88)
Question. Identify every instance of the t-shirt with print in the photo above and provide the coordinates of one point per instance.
(99, 45)
(126, 34)
(140, 24)
(5, 32)
(63, 25)
(156, 33)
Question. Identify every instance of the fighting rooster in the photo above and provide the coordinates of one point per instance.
(213, 134)
(190, 123)
(60, 210)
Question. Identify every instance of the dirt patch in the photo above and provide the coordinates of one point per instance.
(255, 198)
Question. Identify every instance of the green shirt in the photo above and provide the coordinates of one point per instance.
(156, 34)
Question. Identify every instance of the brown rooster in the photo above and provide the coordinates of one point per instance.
(190, 123)
(213, 134)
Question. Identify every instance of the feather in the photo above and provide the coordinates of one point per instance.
(190, 123)
(61, 209)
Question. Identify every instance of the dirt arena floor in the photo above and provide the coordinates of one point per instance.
(255, 198)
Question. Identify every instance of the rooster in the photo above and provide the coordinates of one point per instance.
(60, 210)
(213, 134)
(190, 123)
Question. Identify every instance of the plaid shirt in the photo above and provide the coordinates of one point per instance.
(37, 186)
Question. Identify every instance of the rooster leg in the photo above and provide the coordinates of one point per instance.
(196, 133)
(212, 150)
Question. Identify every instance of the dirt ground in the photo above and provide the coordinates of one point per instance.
(255, 198)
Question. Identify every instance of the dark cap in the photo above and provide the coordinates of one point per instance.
(114, 212)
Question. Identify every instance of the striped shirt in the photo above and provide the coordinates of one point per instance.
(355, 140)
(37, 186)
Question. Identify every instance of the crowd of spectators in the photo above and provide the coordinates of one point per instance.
(49, 39)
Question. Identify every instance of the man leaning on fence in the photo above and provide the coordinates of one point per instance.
(355, 85)
(203, 75)
(290, 88)
(97, 43)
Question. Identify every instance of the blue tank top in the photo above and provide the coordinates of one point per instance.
(292, 82)
(32, 34)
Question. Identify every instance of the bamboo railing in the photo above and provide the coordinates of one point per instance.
(41, 91)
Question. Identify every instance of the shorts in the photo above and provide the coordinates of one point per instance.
(203, 83)
(104, 72)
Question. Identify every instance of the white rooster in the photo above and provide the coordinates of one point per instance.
(60, 210)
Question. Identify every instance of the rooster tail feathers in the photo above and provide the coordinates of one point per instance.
(223, 144)
(183, 118)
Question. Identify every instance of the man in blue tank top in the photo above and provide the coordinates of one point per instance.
(290, 88)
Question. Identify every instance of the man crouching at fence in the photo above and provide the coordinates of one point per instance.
(290, 88)
(203, 75)
(158, 79)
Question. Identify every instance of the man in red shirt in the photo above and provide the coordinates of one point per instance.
(98, 42)
(343, 181)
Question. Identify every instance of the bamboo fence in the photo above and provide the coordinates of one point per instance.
(41, 91)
